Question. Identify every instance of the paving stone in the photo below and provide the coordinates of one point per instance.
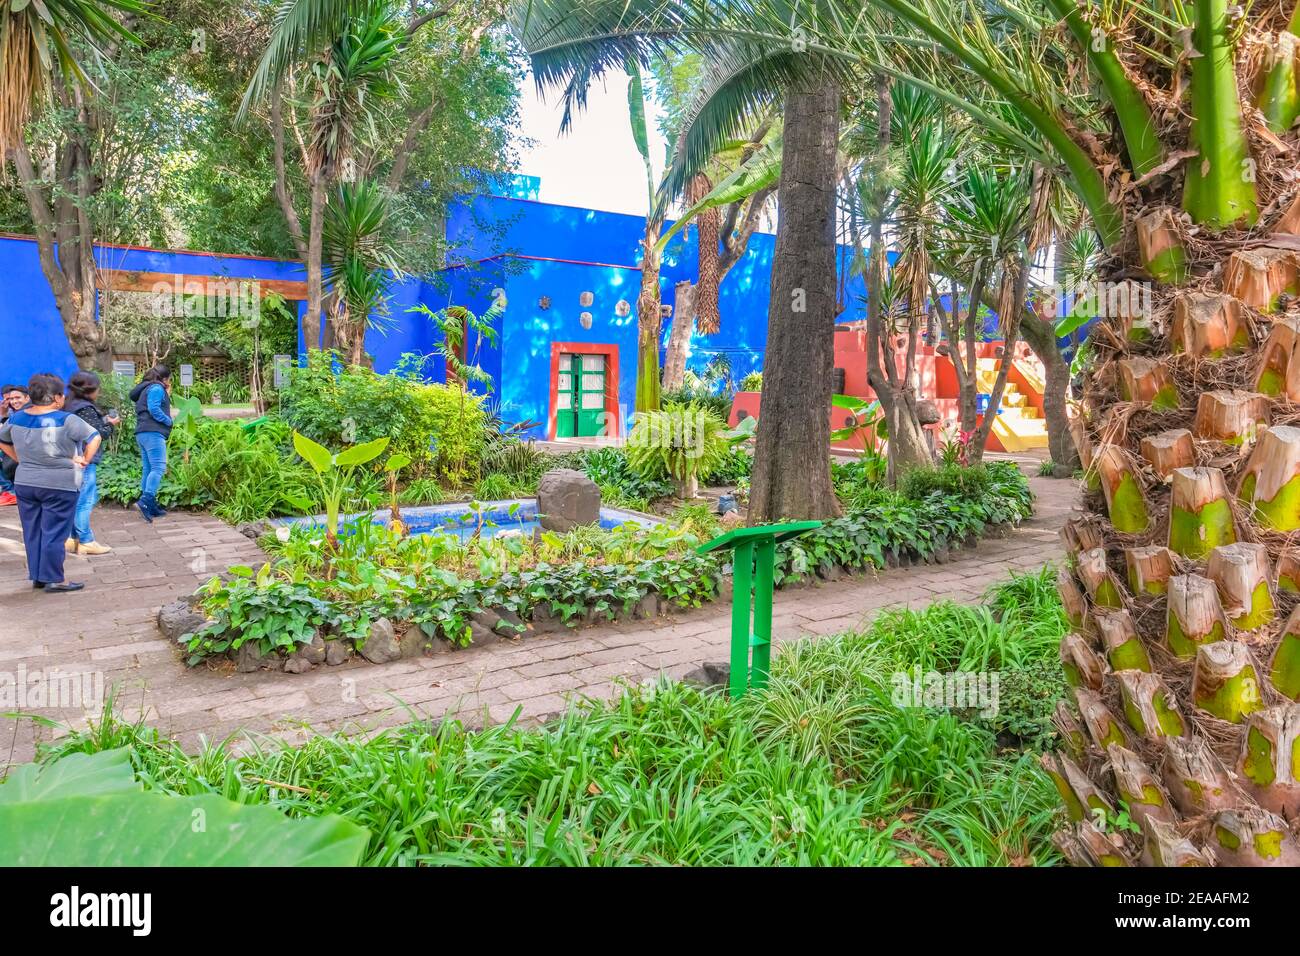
(110, 627)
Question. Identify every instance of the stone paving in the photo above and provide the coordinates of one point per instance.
(109, 629)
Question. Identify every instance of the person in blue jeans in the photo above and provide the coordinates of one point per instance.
(153, 423)
(52, 449)
(83, 388)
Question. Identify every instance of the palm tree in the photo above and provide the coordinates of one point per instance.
(45, 43)
(572, 42)
(350, 51)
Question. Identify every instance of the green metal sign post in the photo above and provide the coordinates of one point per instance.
(753, 551)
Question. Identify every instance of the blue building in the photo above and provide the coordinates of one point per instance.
(565, 356)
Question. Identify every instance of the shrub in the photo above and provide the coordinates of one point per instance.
(916, 483)
(884, 524)
(682, 442)
(753, 382)
(718, 405)
(610, 468)
(735, 465)
(441, 428)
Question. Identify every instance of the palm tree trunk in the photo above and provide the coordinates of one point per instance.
(791, 476)
(649, 324)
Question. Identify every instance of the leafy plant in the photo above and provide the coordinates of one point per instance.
(441, 428)
(680, 441)
(784, 776)
(334, 472)
(88, 809)
(753, 382)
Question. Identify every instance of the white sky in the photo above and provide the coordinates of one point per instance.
(596, 163)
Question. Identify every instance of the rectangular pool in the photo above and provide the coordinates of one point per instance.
(495, 517)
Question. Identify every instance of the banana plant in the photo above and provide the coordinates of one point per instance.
(334, 474)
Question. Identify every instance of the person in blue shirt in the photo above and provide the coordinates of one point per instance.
(153, 423)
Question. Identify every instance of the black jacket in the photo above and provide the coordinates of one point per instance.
(144, 420)
(92, 416)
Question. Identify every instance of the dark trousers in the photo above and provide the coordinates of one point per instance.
(47, 517)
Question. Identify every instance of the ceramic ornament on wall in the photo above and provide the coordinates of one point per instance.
(585, 320)
(544, 303)
(586, 298)
(623, 308)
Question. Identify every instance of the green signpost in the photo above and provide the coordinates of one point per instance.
(752, 553)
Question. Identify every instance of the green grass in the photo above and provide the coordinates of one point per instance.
(821, 768)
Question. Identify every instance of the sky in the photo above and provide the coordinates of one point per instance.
(596, 163)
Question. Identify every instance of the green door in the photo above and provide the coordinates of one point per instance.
(580, 396)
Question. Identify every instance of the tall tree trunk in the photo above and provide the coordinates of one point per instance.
(649, 324)
(791, 476)
(895, 392)
(65, 247)
(1041, 337)
(679, 335)
(311, 332)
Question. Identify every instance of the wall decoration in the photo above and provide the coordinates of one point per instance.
(585, 320)
(623, 308)
(586, 298)
(499, 298)
(544, 303)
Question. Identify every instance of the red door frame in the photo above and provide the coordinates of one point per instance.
(611, 381)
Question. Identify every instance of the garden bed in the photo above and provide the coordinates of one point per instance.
(384, 596)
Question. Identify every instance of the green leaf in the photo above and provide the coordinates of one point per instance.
(360, 454)
(762, 171)
(76, 775)
(151, 829)
(636, 110)
(396, 462)
(317, 456)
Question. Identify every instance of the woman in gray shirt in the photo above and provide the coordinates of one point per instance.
(51, 448)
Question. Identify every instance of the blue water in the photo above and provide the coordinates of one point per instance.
(495, 517)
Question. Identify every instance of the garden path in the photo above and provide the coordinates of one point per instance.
(109, 629)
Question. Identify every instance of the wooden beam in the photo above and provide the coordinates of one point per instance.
(127, 280)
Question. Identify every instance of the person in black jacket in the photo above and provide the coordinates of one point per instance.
(83, 388)
(153, 423)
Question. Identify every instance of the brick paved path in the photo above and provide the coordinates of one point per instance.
(109, 628)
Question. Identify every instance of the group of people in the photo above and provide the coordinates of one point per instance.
(51, 440)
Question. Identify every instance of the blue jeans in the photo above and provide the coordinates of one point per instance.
(86, 499)
(153, 452)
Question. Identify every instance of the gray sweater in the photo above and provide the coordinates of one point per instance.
(45, 444)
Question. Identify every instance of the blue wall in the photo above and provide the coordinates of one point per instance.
(526, 248)
(593, 242)
(30, 326)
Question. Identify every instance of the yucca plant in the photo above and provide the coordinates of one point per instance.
(363, 264)
(680, 441)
